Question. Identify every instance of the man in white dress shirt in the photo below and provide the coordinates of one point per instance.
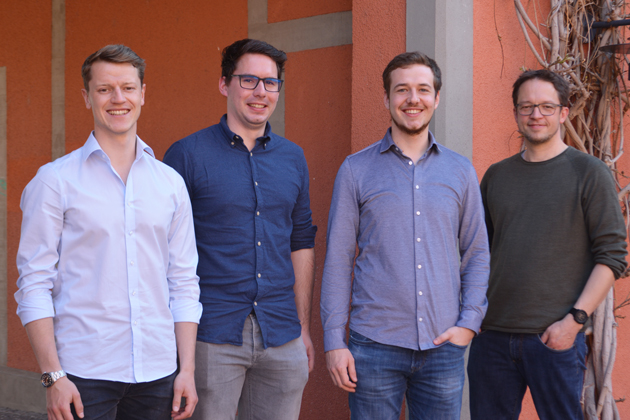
(108, 290)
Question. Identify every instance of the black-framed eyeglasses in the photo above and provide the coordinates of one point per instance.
(250, 82)
(545, 109)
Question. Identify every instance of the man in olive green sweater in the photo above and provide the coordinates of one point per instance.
(557, 243)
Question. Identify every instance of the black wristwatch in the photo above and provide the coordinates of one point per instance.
(579, 315)
(49, 378)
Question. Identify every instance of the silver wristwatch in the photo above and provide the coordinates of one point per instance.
(49, 378)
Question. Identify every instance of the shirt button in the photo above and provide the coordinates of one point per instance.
(410, 163)
(420, 319)
(418, 213)
(255, 183)
(135, 322)
(420, 293)
(131, 263)
(133, 293)
(255, 303)
(251, 154)
(130, 232)
(418, 239)
(417, 187)
(259, 275)
(419, 266)
(258, 243)
(232, 143)
(257, 213)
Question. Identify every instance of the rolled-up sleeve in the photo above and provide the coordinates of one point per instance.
(38, 252)
(183, 281)
(303, 234)
(343, 227)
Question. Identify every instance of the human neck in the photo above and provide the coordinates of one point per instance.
(412, 146)
(121, 150)
(249, 134)
(544, 151)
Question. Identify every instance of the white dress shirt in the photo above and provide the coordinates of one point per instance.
(113, 264)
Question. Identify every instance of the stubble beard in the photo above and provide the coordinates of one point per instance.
(410, 131)
(538, 141)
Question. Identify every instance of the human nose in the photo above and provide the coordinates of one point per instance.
(536, 110)
(118, 96)
(259, 90)
(413, 96)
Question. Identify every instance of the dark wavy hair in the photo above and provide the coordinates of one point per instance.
(232, 53)
(559, 83)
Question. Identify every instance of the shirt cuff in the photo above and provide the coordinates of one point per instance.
(186, 310)
(335, 339)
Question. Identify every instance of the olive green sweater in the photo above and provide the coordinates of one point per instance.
(548, 223)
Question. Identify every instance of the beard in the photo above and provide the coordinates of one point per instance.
(410, 131)
(540, 140)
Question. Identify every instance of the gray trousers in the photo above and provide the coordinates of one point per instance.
(264, 384)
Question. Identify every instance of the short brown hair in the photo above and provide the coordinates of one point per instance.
(408, 59)
(112, 54)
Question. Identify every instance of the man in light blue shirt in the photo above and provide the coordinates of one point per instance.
(107, 289)
(414, 209)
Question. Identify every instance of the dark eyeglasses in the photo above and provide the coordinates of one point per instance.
(251, 82)
(546, 109)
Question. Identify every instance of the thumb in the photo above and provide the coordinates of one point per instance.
(352, 372)
(441, 339)
(177, 398)
(78, 404)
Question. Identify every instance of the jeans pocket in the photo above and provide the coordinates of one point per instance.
(360, 339)
(457, 346)
(553, 350)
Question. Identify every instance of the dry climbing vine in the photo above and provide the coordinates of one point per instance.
(567, 43)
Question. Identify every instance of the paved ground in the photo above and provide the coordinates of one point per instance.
(8, 414)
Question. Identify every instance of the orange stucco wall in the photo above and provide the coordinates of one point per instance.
(318, 119)
(378, 35)
(28, 63)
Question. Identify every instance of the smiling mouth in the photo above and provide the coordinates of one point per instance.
(118, 111)
(412, 111)
(257, 106)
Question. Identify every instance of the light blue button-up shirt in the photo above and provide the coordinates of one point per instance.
(113, 263)
(413, 224)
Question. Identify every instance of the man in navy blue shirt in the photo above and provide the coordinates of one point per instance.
(255, 238)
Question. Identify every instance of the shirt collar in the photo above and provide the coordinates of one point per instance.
(387, 143)
(230, 136)
(91, 146)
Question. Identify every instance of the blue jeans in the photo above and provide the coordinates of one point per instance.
(110, 400)
(432, 380)
(263, 383)
(502, 365)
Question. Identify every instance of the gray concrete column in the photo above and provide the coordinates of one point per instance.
(443, 29)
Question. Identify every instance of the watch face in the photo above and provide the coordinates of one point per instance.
(47, 380)
(579, 315)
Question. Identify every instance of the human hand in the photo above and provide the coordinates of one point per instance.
(457, 335)
(340, 365)
(184, 386)
(310, 350)
(59, 397)
(561, 334)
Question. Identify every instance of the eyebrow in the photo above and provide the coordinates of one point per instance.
(408, 84)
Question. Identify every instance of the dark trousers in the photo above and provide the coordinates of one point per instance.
(501, 366)
(111, 400)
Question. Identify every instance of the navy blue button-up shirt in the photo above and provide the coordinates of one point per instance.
(251, 210)
(423, 260)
